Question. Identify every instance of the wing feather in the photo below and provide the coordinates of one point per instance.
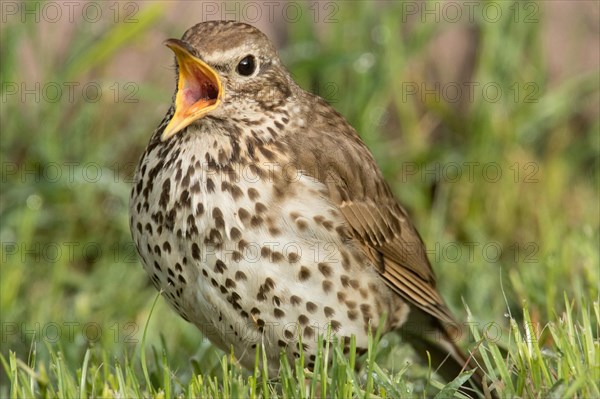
(399, 250)
(378, 224)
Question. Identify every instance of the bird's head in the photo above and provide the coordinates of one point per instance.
(225, 69)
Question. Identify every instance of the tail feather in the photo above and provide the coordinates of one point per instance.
(434, 341)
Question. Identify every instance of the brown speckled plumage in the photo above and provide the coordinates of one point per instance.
(268, 218)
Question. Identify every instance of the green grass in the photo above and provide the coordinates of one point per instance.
(75, 303)
(567, 368)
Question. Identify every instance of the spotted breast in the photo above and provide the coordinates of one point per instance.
(250, 249)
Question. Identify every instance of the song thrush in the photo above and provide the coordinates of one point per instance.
(262, 216)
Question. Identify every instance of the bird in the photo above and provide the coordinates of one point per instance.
(264, 219)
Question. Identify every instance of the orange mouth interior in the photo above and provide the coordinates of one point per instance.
(199, 89)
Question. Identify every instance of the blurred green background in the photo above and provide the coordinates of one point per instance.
(483, 116)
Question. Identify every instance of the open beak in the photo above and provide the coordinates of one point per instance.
(199, 89)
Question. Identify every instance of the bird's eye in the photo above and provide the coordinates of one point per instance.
(247, 66)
